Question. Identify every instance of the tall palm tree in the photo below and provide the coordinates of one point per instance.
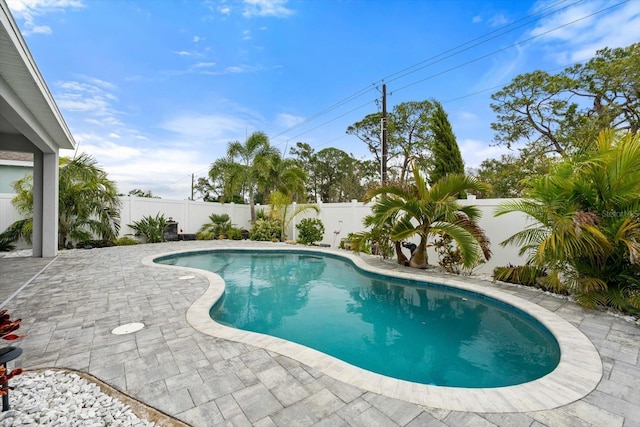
(287, 177)
(255, 157)
(586, 232)
(88, 202)
(429, 211)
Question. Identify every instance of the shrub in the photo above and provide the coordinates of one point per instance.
(6, 245)
(234, 233)
(527, 275)
(310, 230)
(449, 256)
(265, 230)
(125, 241)
(151, 228)
(89, 244)
(200, 235)
(218, 226)
(7, 333)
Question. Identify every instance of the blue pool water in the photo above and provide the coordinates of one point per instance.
(414, 331)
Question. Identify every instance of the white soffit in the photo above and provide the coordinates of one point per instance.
(24, 91)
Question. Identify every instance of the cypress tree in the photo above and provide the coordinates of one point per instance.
(446, 153)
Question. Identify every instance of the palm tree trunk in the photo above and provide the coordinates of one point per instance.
(402, 259)
(419, 258)
(252, 207)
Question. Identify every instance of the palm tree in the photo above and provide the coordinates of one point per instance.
(254, 156)
(429, 211)
(283, 211)
(586, 232)
(285, 176)
(88, 203)
(218, 225)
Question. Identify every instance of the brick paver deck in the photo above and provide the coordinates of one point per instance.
(71, 307)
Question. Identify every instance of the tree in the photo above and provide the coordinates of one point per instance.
(305, 159)
(255, 158)
(430, 211)
(334, 175)
(586, 233)
(88, 203)
(558, 113)
(509, 176)
(283, 211)
(446, 153)
(141, 193)
(218, 225)
(408, 136)
(226, 182)
(285, 176)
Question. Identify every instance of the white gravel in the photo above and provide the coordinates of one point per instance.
(58, 398)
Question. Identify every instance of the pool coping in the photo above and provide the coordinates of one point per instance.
(577, 374)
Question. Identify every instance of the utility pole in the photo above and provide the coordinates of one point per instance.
(384, 135)
(192, 179)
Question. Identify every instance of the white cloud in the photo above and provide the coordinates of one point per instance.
(288, 120)
(105, 151)
(28, 11)
(476, 19)
(246, 35)
(92, 98)
(197, 39)
(165, 171)
(274, 8)
(204, 64)
(498, 20)
(474, 152)
(575, 34)
(199, 128)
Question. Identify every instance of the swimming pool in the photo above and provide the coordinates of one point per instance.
(413, 331)
(577, 374)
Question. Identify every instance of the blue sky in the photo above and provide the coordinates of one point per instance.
(155, 89)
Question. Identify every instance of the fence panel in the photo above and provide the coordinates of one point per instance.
(339, 219)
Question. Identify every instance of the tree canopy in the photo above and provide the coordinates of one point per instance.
(88, 203)
(559, 112)
(446, 153)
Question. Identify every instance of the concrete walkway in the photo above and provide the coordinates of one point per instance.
(71, 307)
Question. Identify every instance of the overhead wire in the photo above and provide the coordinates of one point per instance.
(475, 60)
(507, 47)
(421, 65)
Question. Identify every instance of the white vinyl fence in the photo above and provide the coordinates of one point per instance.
(339, 219)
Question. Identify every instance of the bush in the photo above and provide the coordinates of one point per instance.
(125, 241)
(449, 256)
(6, 245)
(218, 227)
(90, 244)
(310, 230)
(265, 230)
(526, 275)
(206, 235)
(234, 233)
(151, 228)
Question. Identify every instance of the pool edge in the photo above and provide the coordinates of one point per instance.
(577, 374)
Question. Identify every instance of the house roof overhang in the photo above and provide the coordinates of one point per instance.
(29, 115)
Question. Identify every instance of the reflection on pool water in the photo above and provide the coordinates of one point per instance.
(419, 332)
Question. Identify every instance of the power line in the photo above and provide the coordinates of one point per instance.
(446, 71)
(457, 50)
(509, 46)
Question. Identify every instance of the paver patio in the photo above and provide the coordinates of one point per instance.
(70, 308)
